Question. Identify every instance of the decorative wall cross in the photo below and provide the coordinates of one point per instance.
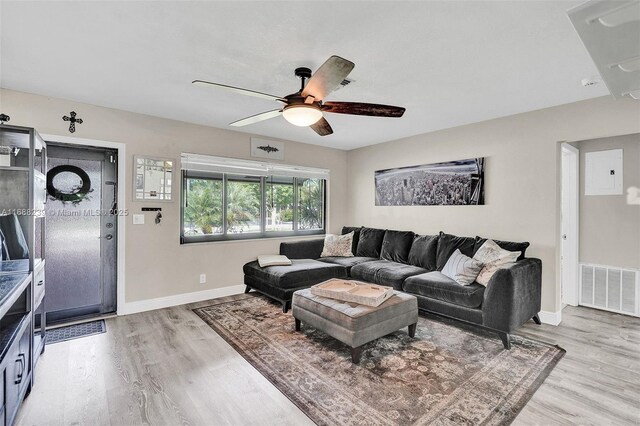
(72, 121)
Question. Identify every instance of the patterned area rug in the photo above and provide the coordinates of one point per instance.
(445, 375)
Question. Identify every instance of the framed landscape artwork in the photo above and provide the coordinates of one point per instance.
(439, 184)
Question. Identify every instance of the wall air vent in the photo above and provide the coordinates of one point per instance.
(610, 288)
(610, 30)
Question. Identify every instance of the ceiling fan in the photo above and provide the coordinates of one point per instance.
(306, 107)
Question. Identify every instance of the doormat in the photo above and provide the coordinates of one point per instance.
(70, 332)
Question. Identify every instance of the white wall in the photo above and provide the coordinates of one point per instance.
(157, 265)
(522, 179)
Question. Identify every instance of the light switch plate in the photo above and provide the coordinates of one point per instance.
(138, 219)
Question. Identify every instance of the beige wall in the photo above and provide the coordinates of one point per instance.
(609, 226)
(156, 264)
(522, 194)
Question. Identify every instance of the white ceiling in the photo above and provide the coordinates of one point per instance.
(449, 63)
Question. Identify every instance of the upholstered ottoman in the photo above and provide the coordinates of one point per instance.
(355, 324)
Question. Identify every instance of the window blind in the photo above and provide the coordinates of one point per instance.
(208, 163)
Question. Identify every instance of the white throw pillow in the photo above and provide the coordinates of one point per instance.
(338, 245)
(493, 258)
(273, 260)
(462, 269)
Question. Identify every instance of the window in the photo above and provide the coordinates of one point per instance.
(225, 201)
(242, 201)
(202, 212)
(279, 204)
(310, 203)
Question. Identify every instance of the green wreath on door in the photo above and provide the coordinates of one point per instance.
(79, 194)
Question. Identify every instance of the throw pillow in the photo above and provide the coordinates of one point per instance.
(396, 246)
(356, 236)
(493, 257)
(338, 245)
(14, 240)
(505, 245)
(423, 252)
(448, 243)
(462, 269)
(3, 248)
(273, 260)
(370, 242)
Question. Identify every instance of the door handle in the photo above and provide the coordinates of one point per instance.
(21, 361)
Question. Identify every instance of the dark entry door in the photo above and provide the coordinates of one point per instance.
(81, 237)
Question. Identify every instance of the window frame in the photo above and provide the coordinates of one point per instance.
(263, 234)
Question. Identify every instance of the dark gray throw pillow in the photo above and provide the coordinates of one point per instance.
(370, 242)
(423, 251)
(4, 253)
(396, 246)
(14, 240)
(356, 236)
(448, 243)
(504, 245)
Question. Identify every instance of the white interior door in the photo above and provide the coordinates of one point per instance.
(570, 224)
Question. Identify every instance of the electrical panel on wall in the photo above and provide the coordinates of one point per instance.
(603, 172)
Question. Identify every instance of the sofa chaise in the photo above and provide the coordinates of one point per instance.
(412, 263)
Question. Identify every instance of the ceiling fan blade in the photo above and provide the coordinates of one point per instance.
(239, 90)
(359, 108)
(327, 77)
(322, 127)
(257, 118)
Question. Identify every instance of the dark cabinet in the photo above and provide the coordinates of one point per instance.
(17, 371)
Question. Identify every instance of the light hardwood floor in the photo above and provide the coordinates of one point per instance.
(168, 367)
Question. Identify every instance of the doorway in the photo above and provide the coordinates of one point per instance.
(569, 232)
(81, 236)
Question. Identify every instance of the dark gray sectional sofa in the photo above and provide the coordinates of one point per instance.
(412, 263)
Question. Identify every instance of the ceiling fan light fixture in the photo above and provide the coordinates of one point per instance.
(302, 115)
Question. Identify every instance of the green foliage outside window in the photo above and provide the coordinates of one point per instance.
(203, 206)
(310, 204)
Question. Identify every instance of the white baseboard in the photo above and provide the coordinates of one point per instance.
(179, 299)
(551, 318)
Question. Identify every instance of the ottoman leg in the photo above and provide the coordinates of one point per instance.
(356, 353)
(297, 324)
(412, 330)
(247, 289)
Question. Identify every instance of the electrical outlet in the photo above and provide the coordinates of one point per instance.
(203, 278)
